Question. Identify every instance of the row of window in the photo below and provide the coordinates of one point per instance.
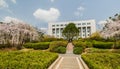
(60, 31)
(66, 24)
(83, 35)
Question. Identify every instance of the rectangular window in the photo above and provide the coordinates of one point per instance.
(61, 24)
(88, 23)
(53, 25)
(79, 23)
(57, 25)
(83, 23)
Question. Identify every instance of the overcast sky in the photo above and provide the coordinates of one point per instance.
(40, 12)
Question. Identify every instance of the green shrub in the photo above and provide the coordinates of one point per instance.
(117, 45)
(102, 45)
(60, 49)
(52, 39)
(88, 44)
(40, 45)
(96, 50)
(55, 44)
(102, 60)
(79, 47)
(78, 50)
(26, 60)
(79, 44)
(5, 46)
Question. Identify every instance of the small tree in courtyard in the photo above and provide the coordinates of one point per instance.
(70, 32)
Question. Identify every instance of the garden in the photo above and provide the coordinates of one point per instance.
(25, 47)
(26, 59)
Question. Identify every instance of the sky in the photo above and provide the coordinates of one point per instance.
(41, 12)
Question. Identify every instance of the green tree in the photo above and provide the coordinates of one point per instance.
(70, 32)
(96, 36)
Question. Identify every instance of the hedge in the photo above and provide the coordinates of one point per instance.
(117, 45)
(78, 50)
(60, 49)
(78, 47)
(57, 46)
(102, 60)
(26, 60)
(102, 45)
(40, 45)
(5, 46)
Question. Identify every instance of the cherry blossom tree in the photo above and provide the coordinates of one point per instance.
(16, 32)
(112, 28)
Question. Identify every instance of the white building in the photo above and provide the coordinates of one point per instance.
(86, 28)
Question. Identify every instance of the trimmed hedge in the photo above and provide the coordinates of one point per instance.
(57, 46)
(102, 45)
(52, 39)
(26, 60)
(88, 44)
(78, 47)
(102, 60)
(60, 49)
(40, 45)
(78, 50)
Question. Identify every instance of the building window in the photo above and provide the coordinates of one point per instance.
(53, 25)
(79, 23)
(57, 25)
(88, 23)
(83, 35)
(61, 24)
(57, 30)
(83, 23)
(88, 30)
(53, 31)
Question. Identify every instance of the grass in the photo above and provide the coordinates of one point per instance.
(26, 59)
(96, 50)
(102, 60)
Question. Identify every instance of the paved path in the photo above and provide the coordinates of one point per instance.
(68, 60)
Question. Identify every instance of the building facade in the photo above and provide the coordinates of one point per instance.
(86, 28)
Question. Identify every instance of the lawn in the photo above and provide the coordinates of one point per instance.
(26, 59)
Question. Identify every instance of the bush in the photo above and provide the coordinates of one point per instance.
(52, 39)
(40, 45)
(79, 47)
(117, 45)
(78, 50)
(102, 60)
(88, 44)
(26, 60)
(79, 44)
(5, 46)
(55, 44)
(60, 49)
(102, 45)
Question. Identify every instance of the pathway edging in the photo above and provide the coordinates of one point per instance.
(61, 60)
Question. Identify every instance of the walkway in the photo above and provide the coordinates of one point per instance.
(68, 60)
